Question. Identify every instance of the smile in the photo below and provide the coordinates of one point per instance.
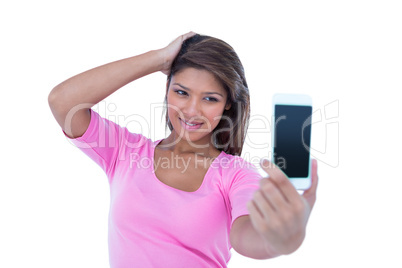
(189, 125)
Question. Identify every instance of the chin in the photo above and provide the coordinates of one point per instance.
(193, 137)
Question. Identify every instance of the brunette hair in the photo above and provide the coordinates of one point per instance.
(219, 58)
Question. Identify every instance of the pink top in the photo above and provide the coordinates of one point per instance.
(154, 225)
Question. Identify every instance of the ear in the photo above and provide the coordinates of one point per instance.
(228, 106)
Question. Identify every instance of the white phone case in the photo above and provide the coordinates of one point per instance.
(302, 183)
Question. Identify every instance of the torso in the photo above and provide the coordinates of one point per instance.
(185, 172)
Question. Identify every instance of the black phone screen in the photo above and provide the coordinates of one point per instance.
(292, 139)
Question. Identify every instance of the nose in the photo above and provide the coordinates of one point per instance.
(192, 109)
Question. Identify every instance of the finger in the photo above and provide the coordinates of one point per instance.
(254, 211)
(182, 38)
(188, 35)
(255, 215)
(274, 196)
(266, 181)
(263, 205)
(310, 194)
(282, 181)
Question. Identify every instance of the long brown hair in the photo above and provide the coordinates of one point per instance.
(214, 55)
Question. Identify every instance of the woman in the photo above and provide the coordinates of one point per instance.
(197, 198)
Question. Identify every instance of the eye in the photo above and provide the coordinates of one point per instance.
(211, 99)
(180, 92)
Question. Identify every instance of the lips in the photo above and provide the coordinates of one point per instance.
(190, 124)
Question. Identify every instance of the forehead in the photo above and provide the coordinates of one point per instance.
(198, 80)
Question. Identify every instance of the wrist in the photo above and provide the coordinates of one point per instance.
(157, 60)
(163, 61)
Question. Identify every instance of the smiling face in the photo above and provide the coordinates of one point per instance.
(196, 101)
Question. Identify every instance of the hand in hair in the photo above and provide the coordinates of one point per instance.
(170, 52)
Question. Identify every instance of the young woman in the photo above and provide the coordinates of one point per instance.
(185, 200)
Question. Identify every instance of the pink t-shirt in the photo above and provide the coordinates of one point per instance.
(154, 225)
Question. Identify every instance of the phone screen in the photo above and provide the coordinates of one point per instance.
(292, 139)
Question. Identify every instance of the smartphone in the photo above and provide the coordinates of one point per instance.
(291, 137)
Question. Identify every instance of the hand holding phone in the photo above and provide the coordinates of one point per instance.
(292, 137)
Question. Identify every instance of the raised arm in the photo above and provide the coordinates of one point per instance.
(71, 100)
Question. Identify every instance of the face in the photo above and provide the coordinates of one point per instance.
(196, 101)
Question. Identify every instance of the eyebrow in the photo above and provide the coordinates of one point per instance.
(186, 88)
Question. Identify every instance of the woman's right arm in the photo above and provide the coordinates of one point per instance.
(71, 100)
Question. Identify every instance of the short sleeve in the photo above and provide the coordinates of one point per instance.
(243, 180)
(103, 141)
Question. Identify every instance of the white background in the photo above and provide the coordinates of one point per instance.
(345, 54)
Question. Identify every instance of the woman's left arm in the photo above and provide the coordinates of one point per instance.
(278, 216)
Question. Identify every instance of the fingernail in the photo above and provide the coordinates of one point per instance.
(264, 161)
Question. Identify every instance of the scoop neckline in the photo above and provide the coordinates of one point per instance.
(155, 144)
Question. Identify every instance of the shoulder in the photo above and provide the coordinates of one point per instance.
(234, 162)
(233, 167)
(113, 133)
(239, 177)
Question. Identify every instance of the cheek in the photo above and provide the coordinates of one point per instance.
(169, 97)
(214, 114)
(172, 105)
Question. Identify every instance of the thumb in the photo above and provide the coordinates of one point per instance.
(311, 193)
(271, 169)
